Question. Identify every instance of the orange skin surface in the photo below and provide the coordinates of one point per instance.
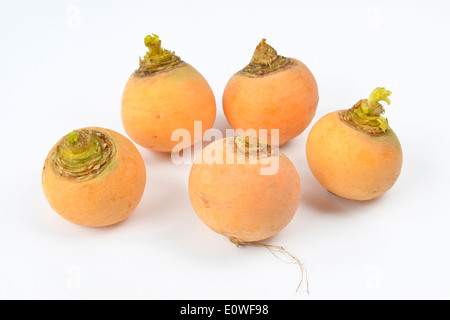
(236, 201)
(285, 99)
(107, 198)
(351, 163)
(154, 106)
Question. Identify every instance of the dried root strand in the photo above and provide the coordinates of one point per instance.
(276, 251)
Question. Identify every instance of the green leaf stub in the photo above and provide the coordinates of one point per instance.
(157, 58)
(366, 114)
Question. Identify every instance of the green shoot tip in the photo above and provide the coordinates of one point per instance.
(151, 39)
(73, 138)
(380, 94)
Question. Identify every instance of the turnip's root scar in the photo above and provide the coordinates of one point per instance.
(366, 114)
(265, 60)
(83, 154)
(157, 58)
(275, 250)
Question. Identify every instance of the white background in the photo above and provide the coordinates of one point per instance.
(63, 66)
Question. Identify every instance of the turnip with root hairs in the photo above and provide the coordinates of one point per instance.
(232, 197)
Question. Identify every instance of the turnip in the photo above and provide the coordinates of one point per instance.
(354, 153)
(272, 93)
(94, 177)
(162, 95)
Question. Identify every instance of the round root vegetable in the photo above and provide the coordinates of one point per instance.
(235, 195)
(271, 93)
(94, 177)
(163, 95)
(232, 197)
(354, 153)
